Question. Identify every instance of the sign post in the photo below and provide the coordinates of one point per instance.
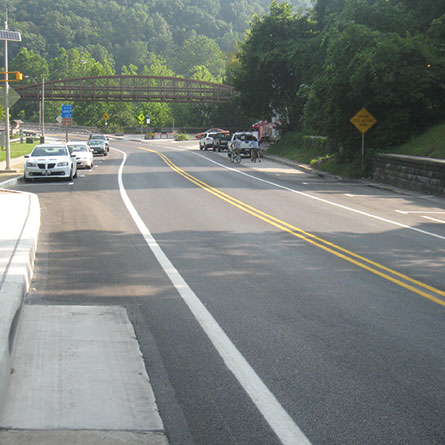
(67, 118)
(141, 118)
(106, 116)
(363, 121)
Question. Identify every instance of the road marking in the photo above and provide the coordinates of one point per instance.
(405, 212)
(347, 255)
(279, 420)
(434, 219)
(316, 198)
(363, 195)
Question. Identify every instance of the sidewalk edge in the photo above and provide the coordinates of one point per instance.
(14, 288)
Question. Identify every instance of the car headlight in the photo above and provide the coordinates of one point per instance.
(62, 164)
(31, 164)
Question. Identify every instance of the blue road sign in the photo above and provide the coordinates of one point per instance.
(67, 111)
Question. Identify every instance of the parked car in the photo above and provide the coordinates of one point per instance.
(50, 160)
(84, 154)
(245, 138)
(221, 141)
(100, 137)
(98, 146)
(207, 141)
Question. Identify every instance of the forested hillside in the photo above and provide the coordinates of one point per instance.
(130, 31)
(316, 63)
(190, 38)
(317, 71)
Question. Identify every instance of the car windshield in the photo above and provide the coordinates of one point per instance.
(79, 148)
(96, 142)
(97, 136)
(49, 151)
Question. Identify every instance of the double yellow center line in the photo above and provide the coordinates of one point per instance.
(395, 277)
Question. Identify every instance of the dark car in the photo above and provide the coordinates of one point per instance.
(221, 141)
(101, 137)
(98, 146)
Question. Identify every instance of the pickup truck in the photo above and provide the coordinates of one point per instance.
(245, 138)
(221, 141)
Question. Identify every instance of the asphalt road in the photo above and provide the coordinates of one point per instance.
(271, 302)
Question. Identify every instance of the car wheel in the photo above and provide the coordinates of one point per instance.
(71, 176)
(26, 179)
(90, 167)
(75, 174)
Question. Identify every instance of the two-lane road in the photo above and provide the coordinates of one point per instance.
(271, 306)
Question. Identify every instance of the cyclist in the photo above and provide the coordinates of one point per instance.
(254, 150)
(236, 149)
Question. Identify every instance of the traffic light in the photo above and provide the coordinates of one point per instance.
(18, 76)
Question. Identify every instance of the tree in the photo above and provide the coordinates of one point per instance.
(160, 113)
(200, 51)
(390, 75)
(33, 67)
(274, 61)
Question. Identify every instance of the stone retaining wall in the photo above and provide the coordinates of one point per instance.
(411, 172)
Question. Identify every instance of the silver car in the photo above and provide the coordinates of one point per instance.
(50, 161)
(84, 154)
(100, 137)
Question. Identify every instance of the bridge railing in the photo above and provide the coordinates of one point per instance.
(123, 88)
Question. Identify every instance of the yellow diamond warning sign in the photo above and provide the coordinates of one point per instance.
(141, 118)
(363, 120)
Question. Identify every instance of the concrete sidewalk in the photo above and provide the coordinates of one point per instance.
(70, 375)
(19, 229)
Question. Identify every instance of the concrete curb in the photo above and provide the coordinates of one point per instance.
(15, 282)
(10, 182)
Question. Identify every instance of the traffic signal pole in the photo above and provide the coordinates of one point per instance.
(7, 141)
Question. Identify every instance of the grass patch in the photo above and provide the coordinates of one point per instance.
(431, 144)
(316, 152)
(300, 148)
(17, 150)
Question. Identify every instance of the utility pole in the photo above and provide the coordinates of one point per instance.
(7, 141)
(42, 105)
(16, 37)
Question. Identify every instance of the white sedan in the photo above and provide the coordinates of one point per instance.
(50, 161)
(84, 154)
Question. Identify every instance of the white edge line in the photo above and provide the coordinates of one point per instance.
(279, 420)
(369, 215)
(434, 219)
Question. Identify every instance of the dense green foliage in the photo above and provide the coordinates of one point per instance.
(314, 62)
(317, 70)
(189, 38)
(130, 31)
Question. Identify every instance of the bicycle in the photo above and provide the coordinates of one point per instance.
(235, 157)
